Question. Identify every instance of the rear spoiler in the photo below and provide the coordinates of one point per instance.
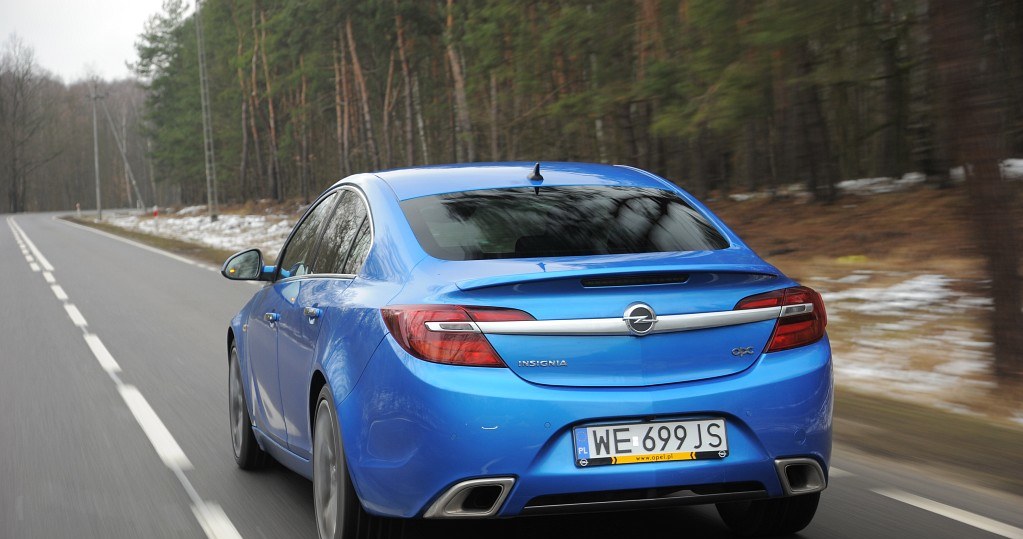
(650, 274)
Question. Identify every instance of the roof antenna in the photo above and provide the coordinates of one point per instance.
(535, 176)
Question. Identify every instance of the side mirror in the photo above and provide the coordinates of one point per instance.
(246, 266)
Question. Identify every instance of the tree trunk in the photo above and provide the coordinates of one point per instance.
(815, 134)
(420, 124)
(304, 164)
(341, 108)
(273, 164)
(969, 86)
(243, 162)
(386, 123)
(465, 149)
(360, 83)
(598, 120)
(495, 154)
(254, 98)
(406, 74)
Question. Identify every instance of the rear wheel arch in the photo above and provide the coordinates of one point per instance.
(315, 385)
(230, 342)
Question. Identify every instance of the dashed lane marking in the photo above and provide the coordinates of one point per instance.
(106, 360)
(75, 315)
(214, 521)
(210, 516)
(837, 472)
(954, 513)
(32, 247)
(168, 449)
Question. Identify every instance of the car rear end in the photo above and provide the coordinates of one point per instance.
(591, 343)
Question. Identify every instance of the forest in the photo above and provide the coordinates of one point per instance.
(717, 96)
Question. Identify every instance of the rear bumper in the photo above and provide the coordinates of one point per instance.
(413, 429)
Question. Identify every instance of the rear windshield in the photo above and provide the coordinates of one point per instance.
(557, 221)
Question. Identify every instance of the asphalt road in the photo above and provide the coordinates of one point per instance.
(113, 420)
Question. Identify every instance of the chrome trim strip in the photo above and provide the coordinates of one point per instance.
(454, 327)
(793, 310)
(616, 326)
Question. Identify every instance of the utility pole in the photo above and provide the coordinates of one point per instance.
(207, 128)
(124, 156)
(95, 149)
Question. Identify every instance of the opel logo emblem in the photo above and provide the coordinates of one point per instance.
(640, 319)
(742, 351)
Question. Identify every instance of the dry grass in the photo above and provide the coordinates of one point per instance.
(200, 253)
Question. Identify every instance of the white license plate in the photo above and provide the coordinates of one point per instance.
(631, 443)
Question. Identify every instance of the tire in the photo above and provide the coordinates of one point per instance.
(247, 453)
(337, 507)
(769, 518)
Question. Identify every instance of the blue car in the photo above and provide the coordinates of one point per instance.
(494, 340)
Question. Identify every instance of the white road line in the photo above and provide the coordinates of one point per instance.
(214, 521)
(75, 314)
(141, 246)
(29, 259)
(954, 513)
(106, 360)
(39, 256)
(210, 516)
(168, 449)
(34, 267)
(836, 472)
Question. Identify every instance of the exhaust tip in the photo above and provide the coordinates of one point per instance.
(475, 498)
(800, 475)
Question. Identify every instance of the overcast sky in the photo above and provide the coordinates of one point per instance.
(72, 38)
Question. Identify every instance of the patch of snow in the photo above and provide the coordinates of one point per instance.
(914, 293)
(960, 368)
(1012, 169)
(191, 210)
(872, 186)
(229, 232)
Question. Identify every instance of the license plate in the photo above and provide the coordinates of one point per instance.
(631, 443)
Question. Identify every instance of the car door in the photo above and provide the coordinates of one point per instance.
(302, 320)
(274, 303)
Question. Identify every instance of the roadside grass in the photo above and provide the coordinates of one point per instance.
(199, 253)
(978, 450)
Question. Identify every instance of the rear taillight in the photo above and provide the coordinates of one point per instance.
(802, 319)
(448, 333)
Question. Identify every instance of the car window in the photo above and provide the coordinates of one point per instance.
(340, 233)
(360, 249)
(298, 252)
(558, 221)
